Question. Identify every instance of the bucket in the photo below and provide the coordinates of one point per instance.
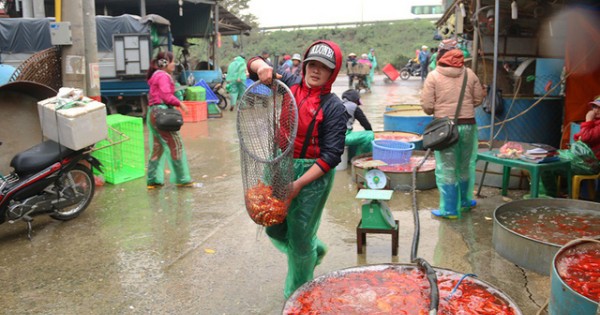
(375, 289)
(344, 163)
(565, 300)
(410, 120)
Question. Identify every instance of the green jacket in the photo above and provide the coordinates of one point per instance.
(236, 70)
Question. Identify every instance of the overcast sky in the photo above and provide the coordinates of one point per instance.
(298, 12)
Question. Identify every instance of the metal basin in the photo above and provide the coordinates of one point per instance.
(400, 179)
(322, 283)
(526, 251)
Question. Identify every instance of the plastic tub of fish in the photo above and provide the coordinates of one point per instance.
(530, 232)
(575, 279)
(396, 289)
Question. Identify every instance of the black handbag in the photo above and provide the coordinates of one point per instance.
(168, 119)
(442, 132)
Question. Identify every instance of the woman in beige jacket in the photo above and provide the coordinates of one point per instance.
(455, 166)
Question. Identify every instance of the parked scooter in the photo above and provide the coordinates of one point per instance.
(47, 179)
(361, 83)
(411, 68)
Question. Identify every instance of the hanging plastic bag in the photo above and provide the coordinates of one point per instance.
(583, 160)
(487, 102)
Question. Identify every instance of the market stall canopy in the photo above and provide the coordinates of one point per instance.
(195, 21)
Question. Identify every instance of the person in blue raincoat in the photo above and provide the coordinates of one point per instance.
(316, 154)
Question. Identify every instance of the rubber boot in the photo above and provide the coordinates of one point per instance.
(449, 208)
(466, 203)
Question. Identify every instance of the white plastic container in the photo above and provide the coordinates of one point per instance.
(76, 127)
(344, 163)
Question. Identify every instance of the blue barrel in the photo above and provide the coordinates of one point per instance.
(563, 299)
(390, 108)
(547, 116)
(410, 120)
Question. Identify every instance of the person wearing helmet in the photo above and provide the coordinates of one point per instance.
(358, 142)
(294, 66)
(318, 148)
(350, 62)
(364, 59)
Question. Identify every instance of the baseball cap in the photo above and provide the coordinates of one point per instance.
(323, 53)
(596, 102)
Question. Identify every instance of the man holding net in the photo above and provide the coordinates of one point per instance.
(318, 147)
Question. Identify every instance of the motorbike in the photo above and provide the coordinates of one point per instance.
(47, 179)
(411, 68)
(361, 83)
(220, 92)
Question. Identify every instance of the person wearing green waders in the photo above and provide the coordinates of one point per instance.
(318, 147)
(236, 80)
(165, 145)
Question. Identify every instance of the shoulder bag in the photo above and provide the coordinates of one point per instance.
(441, 133)
(168, 119)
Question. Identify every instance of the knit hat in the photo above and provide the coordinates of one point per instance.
(352, 96)
(448, 44)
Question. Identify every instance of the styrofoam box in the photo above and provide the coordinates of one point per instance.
(78, 127)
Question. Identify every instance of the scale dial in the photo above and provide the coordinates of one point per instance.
(376, 179)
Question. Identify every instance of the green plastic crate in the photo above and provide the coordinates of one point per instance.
(214, 111)
(124, 161)
(195, 93)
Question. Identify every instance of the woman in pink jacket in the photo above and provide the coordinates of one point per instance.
(164, 144)
(455, 166)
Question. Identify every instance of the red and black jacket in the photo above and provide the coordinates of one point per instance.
(326, 144)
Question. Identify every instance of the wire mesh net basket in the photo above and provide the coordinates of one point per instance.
(267, 120)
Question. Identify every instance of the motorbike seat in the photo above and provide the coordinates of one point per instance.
(39, 157)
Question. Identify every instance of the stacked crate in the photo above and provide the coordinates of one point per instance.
(195, 101)
(124, 161)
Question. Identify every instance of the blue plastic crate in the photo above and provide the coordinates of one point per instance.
(211, 97)
(392, 151)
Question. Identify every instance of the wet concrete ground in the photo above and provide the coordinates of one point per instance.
(196, 251)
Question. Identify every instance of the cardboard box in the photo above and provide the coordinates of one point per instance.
(76, 124)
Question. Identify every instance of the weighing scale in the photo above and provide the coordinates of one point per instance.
(376, 216)
(375, 212)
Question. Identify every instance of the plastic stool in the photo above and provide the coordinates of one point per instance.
(577, 186)
(361, 237)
